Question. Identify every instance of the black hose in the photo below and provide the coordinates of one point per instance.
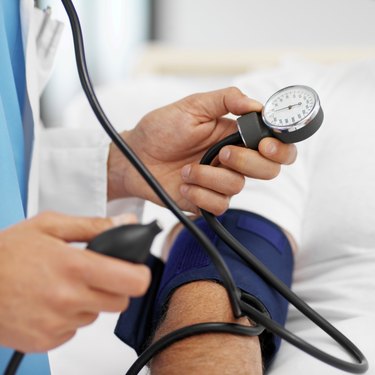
(239, 307)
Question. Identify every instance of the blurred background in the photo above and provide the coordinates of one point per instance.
(143, 54)
(126, 38)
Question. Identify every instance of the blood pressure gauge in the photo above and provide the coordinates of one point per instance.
(292, 114)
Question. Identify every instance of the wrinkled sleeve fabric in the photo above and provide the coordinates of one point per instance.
(73, 173)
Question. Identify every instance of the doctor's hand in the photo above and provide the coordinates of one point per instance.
(48, 289)
(172, 140)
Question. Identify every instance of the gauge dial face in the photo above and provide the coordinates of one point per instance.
(290, 107)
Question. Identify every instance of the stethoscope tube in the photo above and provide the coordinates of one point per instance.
(185, 332)
(239, 307)
(14, 363)
(283, 289)
(232, 290)
(137, 163)
(253, 313)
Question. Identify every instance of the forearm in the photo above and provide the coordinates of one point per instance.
(197, 302)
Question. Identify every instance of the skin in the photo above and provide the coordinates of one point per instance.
(45, 302)
(172, 140)
(210, 354)
(49, 289)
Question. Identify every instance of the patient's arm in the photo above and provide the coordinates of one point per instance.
(197, 302)
(205, 301)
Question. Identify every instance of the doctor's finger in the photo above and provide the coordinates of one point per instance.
(277, 151)
(207, 199)
(115, 276)
(97, 301)
(218, 103)
(48, 343)
(248, 162)
(75, 228)
(221, 180)
(81, 319)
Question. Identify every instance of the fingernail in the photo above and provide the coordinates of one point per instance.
(124, 219)
(271, 148)
(257, 105)
(184, 189)
(225, 154)
(186, 171)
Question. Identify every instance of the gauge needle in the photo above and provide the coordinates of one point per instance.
(288, 107)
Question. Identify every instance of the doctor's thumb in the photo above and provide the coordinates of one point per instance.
(78, 228)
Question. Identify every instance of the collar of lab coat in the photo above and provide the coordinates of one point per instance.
(38, 68)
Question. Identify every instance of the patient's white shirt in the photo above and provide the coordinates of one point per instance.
(327, 201)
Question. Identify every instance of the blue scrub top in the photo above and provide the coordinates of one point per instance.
(13, 166)
(13, 181)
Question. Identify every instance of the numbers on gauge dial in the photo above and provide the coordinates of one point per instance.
(289, 107)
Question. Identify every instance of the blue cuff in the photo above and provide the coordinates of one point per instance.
(134, 326)
(188, 262)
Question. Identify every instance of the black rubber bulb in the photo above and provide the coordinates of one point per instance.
(130, 242)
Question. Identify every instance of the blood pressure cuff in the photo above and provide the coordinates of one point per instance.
(189, 262)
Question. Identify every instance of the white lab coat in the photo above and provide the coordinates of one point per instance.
(72, 179)
(68, 174)
(68, 169)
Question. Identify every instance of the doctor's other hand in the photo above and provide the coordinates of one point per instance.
(49, 289)
(172, 140)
